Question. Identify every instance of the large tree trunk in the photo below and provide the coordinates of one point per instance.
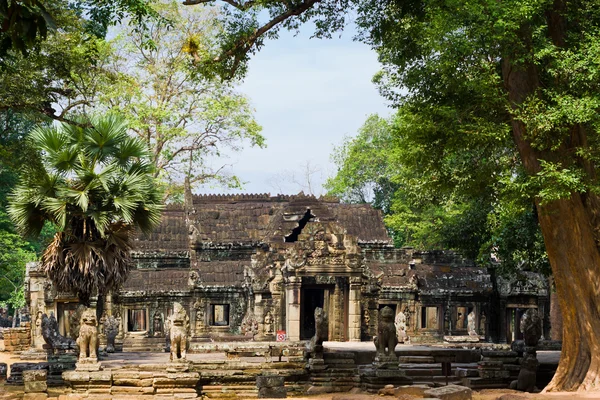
(569, 230)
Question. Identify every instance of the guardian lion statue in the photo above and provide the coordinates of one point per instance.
(179, 325)
(88, 336)
(321, 331)
(386, 339)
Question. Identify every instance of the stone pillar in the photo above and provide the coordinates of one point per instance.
(503, 323)
(354, 317)
(292, 296)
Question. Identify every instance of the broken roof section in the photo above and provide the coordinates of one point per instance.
(249, 219)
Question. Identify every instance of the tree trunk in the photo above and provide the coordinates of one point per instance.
(568, 229)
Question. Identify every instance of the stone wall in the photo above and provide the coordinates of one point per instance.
(17, 339)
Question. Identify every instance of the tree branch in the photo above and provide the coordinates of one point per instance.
(244, 45)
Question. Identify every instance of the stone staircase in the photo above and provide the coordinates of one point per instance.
(137, 343)
(340, 374)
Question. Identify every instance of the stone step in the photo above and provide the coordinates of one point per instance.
(416, 359)
(339, 355)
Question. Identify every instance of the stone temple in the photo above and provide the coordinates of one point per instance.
(258, 266)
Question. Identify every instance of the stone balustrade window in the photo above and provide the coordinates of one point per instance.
(219, 314)
(429, 318)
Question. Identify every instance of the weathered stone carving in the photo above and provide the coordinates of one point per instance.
(157, 325)
(75, 320)
(249, 326)
(386, 340)
(268, 323)
(120, 325)
(482, 322)
(531, 327)
(200, 324)
(471, 324)
(400, 324)
(179, 324)
(53, 339)
(38, 338)
(111, 330)
(315, 346)
(527, 374)
(88, 336)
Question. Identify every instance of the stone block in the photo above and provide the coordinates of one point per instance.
(76, 376)
(493, 373)
(490, 364)
(3, 370)
(272, 393)
(36, 387)
(35, 396)
(450, 392)
(466, 372)
(411, 390)
(269, 381)
(34, 375)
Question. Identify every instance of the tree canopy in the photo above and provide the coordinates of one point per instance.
(436, 195)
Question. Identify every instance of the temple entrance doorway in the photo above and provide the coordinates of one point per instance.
(311, 298)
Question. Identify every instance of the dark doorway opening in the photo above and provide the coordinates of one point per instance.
(311, 298)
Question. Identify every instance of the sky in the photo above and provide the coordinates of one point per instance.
(308, 94)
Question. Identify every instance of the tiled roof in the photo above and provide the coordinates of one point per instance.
(247, 219)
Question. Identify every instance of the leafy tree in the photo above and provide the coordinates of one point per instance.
(60, 77)
(26, 23)
(520, 69)
(391, 165)
(185, 119)
(96, 187)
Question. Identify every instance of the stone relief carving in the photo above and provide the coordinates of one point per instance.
(400, 324)
(157, 324)
(268, 323)
(471, 324)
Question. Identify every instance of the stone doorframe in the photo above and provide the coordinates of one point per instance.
(349, 310)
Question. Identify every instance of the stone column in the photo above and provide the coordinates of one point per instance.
(354, 317)
(337, 314)
(292, 295)
(503, 323)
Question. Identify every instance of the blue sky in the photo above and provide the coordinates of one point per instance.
(308, 95)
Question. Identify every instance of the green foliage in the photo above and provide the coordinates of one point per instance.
(440, 190)
(26, 23)
(186, 120)
(95, 187)
(58, 78)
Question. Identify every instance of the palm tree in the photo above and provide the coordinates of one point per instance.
(94, 183)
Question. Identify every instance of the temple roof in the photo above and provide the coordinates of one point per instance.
(256, 218)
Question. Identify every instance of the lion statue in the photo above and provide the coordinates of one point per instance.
(88, 336)
(386, 339)
(179, 325)
(321, 330)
